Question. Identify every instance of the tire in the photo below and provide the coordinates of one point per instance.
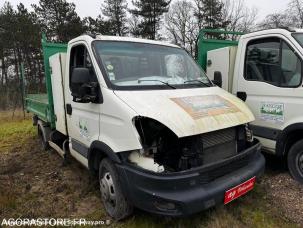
(114, 201)
(44, 143)
(295, 161)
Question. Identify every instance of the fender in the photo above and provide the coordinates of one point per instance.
(282, 137)
(46, 131)
(104, 150)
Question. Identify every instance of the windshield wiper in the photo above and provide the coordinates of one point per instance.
(203, 83)
(155, 80)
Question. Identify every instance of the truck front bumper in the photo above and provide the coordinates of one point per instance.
(189, 192)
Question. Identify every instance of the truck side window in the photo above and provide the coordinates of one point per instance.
(79, 57)
(291, 67)
(271, 60)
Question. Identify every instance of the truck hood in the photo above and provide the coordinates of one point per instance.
(189, 112)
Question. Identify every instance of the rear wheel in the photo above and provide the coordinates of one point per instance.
(295, 161)
(114, 201)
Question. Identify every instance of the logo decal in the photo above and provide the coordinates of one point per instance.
(83, 129)
(271, 111)
(202, 106)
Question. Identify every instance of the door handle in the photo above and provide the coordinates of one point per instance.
(242, 95)
(69, 109)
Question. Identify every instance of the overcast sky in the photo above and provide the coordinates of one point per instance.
(92, 7)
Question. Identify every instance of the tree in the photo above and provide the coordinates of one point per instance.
(7, 44)
(29, 49)
(133, 26)
(98, 25)
(150, 13)
(209, 14)
(19, 43)
(115, 10)
(58, 19)
(275, 20)
(295, 12)
(291, 17)
(238, 16)
(181, 26)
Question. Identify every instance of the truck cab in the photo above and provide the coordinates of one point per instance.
(145, 119)
(265, 70)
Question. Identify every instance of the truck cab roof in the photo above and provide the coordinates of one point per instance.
(282, 31)
(90, 39)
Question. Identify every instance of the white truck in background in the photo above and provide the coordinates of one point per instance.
(145, 119)
(265, 70)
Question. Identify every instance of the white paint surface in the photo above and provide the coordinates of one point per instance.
(57, 64)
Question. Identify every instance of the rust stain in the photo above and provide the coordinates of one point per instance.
(204, 106)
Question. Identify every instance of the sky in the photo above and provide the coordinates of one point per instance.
(92, 7)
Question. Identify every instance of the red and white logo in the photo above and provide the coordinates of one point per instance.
(239, 190)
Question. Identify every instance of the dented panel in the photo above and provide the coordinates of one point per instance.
(189, 112)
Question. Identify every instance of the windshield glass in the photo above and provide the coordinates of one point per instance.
(298, 37)
(140, 65)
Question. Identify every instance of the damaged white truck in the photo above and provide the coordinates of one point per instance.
(145, 118)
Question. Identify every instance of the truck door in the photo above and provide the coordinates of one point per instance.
(272, 81)
(82, 116)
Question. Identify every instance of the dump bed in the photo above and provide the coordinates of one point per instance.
(212, 39)
(42, 105)
(38, 104)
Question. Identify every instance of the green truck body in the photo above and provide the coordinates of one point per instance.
(42, 105)
(206, 44)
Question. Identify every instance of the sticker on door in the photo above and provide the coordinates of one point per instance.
(83, 129)
(271, 111)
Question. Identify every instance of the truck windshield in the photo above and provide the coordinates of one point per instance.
(131, 65)
(298, 37)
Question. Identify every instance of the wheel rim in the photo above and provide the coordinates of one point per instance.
(107, 189)
(300, 162)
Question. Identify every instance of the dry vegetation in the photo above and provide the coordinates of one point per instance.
(33, 184)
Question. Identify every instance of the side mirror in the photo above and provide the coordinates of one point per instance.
(242, 96)
(218, 79)
(80, 75)
(83, 90)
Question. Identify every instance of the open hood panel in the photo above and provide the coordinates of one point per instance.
(189, 112)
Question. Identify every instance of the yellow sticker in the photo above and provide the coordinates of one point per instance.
(110, 67)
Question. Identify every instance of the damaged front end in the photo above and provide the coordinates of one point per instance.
(181, 176)
(164, 152)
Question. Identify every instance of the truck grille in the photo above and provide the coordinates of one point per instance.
(219, 145)
(218, 137)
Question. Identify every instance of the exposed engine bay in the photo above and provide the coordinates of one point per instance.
(163, 151)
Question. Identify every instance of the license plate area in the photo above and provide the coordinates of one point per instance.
(239, 190)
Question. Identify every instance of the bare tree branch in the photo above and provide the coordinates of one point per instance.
(181, 25)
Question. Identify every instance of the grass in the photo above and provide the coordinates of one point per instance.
(14, 132)
(17, 199)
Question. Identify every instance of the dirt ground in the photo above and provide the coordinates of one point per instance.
(286, 194)
(35, 184)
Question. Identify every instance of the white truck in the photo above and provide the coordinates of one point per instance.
(265, 70)
(144, 117)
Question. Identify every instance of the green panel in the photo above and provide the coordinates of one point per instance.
(205, 45)
(50, 49)
(38, 104)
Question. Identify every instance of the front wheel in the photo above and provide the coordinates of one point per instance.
(295, 161)
(114, 201)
